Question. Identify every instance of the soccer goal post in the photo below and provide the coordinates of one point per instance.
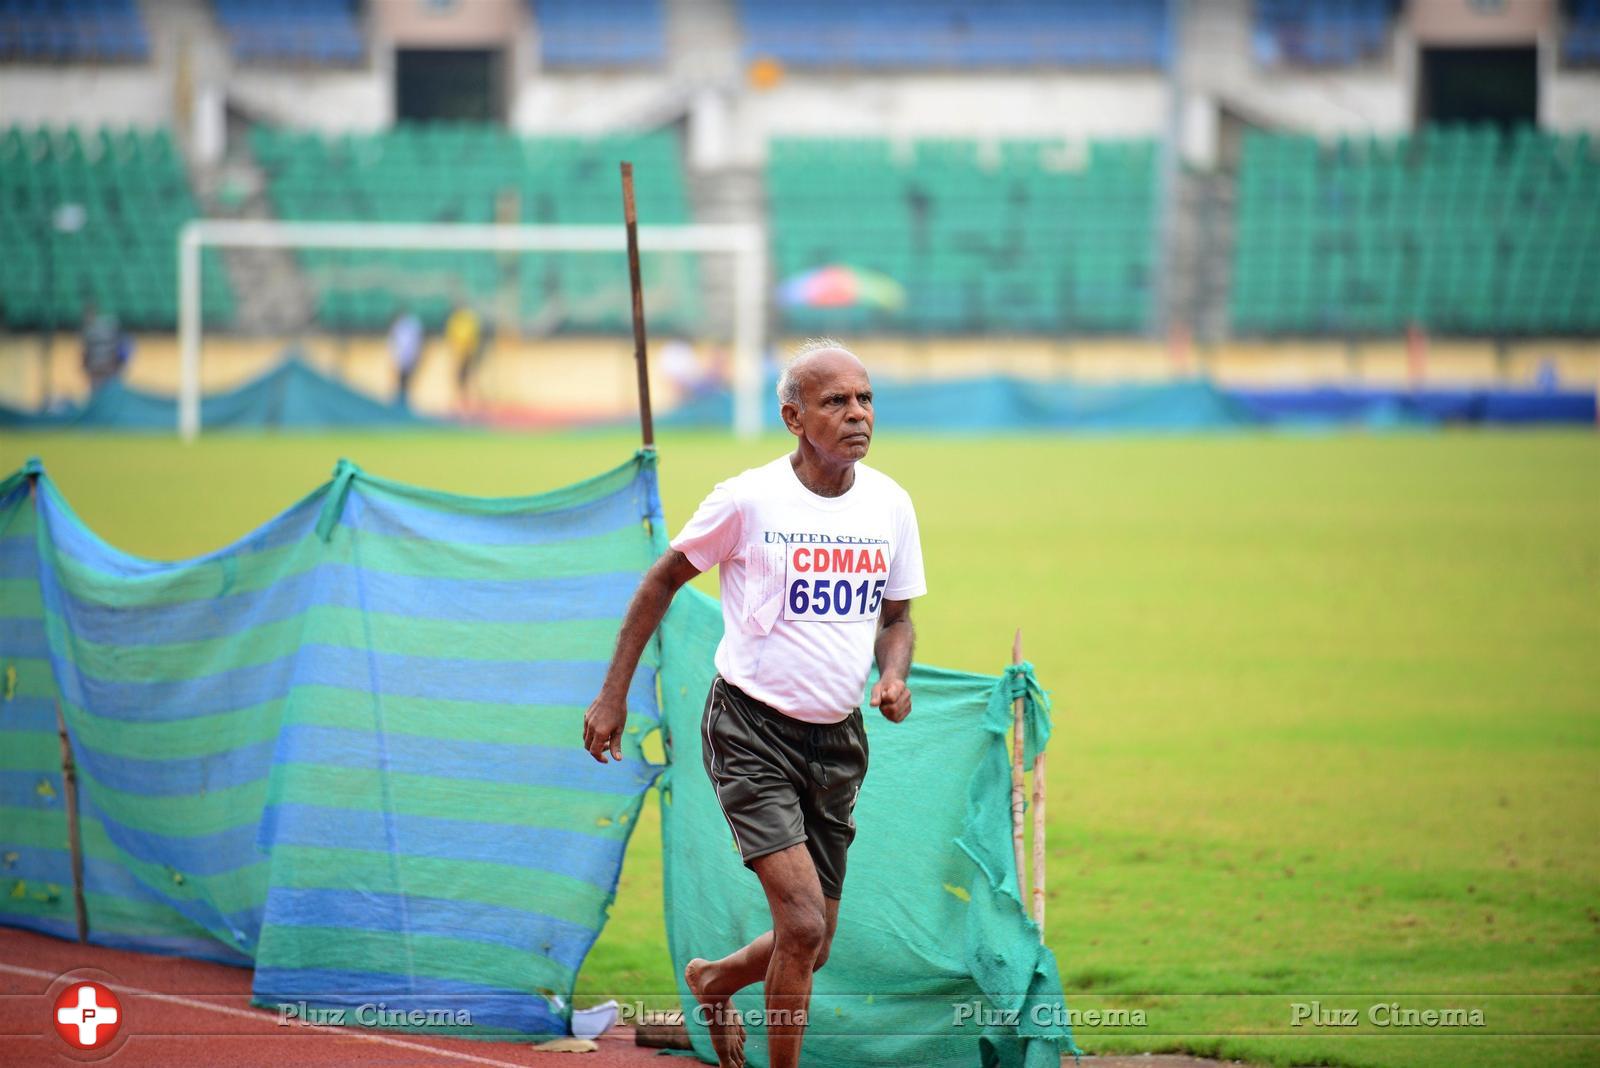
(744, 242)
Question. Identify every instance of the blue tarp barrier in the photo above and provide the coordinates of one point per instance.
(998, 404)
(1425, 406)
(296, 397)
(291, 396)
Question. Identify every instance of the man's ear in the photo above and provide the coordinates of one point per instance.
(790, 413)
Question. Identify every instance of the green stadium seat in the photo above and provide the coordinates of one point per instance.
(465, 172)
(979, 239)
(1458, 228)
(136, 196)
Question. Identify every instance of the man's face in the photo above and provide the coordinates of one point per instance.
(835, 414)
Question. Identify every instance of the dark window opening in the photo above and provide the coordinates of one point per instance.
(461, 85)
(1498, 85)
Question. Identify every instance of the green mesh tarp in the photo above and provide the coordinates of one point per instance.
(346, 750)
(934, 962)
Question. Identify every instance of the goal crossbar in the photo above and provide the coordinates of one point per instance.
(745, 242)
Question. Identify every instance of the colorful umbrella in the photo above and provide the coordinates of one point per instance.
(840, 286)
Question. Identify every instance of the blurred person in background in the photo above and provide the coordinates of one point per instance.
(486, 334)
(405, 348)
(681, 366)
(106, 349)
(463, 332)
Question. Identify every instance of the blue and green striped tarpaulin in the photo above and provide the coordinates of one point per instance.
(345, 748)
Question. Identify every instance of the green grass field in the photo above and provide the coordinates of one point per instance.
(1328, 708)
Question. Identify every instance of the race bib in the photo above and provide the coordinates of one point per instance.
(835, 582)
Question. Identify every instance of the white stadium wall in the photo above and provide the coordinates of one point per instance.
(36, 94)
(479, 24)
(332, 101)
(1570, 101)
(581, 103)
(1032, 104)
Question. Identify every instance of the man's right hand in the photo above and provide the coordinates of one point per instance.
(602, 727)
(603, 722)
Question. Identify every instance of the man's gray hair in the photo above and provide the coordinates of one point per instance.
(789, 381)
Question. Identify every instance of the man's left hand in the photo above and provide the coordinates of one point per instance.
(892, 698)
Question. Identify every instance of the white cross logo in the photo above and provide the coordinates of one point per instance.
(88, 1016)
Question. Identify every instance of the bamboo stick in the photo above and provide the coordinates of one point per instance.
(1018, 732)
(69, 790)
(1038, 842)
(69, 784)
(630, 221)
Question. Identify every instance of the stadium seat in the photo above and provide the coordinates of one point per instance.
(464, 172)
(1580, 36)
(618, 33)
(323, 32)
(1321, 32)
(1038, 239)
(902, 34)
(1458, 229)
(72, 31)
(135, 195)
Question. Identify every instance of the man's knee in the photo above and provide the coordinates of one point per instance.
(803, 926)
(830, 912)
(800, 915)
(822, 953)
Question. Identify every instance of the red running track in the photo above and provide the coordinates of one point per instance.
(179, 1012)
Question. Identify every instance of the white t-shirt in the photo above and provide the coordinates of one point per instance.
(803, 580)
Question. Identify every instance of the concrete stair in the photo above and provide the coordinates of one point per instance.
(271, 294)
(728, 195)
(1199, 265)
(703, 41)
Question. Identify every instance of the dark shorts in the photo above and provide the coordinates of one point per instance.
(782, 782)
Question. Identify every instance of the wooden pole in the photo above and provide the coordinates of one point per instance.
(1018, 731)
(69, 790)
(69, 783)
(641, 361)
(1038, 842)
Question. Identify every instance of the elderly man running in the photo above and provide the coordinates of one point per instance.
(819, 558)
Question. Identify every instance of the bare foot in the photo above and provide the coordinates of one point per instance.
(727, 1029)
